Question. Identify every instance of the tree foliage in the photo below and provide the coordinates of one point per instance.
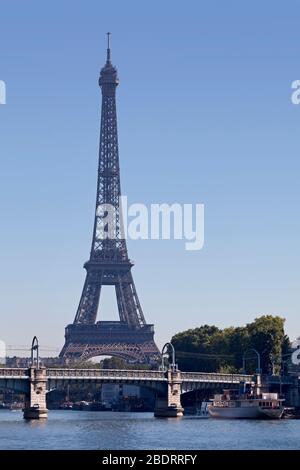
(211, 349)
(119, 363)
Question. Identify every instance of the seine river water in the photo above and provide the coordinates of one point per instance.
(112, 430)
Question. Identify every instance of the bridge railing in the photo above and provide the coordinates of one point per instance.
(215, 377)
(145, 375)
(106, 373)
(13, 372)
(111, 374)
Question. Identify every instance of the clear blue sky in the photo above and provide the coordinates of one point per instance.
(204, 115)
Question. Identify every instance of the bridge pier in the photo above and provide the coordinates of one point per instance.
(35, 405)
(169, 406)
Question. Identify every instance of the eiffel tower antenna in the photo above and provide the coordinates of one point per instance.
(108, 48)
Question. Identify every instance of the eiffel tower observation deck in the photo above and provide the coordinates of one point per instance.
(130, 338)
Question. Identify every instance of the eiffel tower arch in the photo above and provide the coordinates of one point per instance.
(130, 338)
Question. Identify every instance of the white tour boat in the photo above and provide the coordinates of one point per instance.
(233, 405)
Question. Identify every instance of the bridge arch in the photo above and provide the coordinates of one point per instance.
(126, 353)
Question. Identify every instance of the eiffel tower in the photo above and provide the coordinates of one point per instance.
(131, 338)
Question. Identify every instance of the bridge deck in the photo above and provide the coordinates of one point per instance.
(189, 379)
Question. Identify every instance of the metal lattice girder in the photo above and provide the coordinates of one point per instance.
(111, 338)
(145, 353)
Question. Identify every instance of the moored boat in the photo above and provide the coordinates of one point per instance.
(234, 405)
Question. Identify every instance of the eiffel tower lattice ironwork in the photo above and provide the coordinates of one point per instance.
(130, 338)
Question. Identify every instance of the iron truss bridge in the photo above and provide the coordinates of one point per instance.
(18, 378)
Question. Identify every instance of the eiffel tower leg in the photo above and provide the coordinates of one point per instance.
(128, 301)
(122, 345)
(88, 305)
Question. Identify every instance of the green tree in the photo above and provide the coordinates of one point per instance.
(195, 348)
(267, 336)
(210, 349)
(119, 363)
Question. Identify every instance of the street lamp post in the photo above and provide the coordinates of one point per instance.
(35, 347)
(258, 370)
(165, 349)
